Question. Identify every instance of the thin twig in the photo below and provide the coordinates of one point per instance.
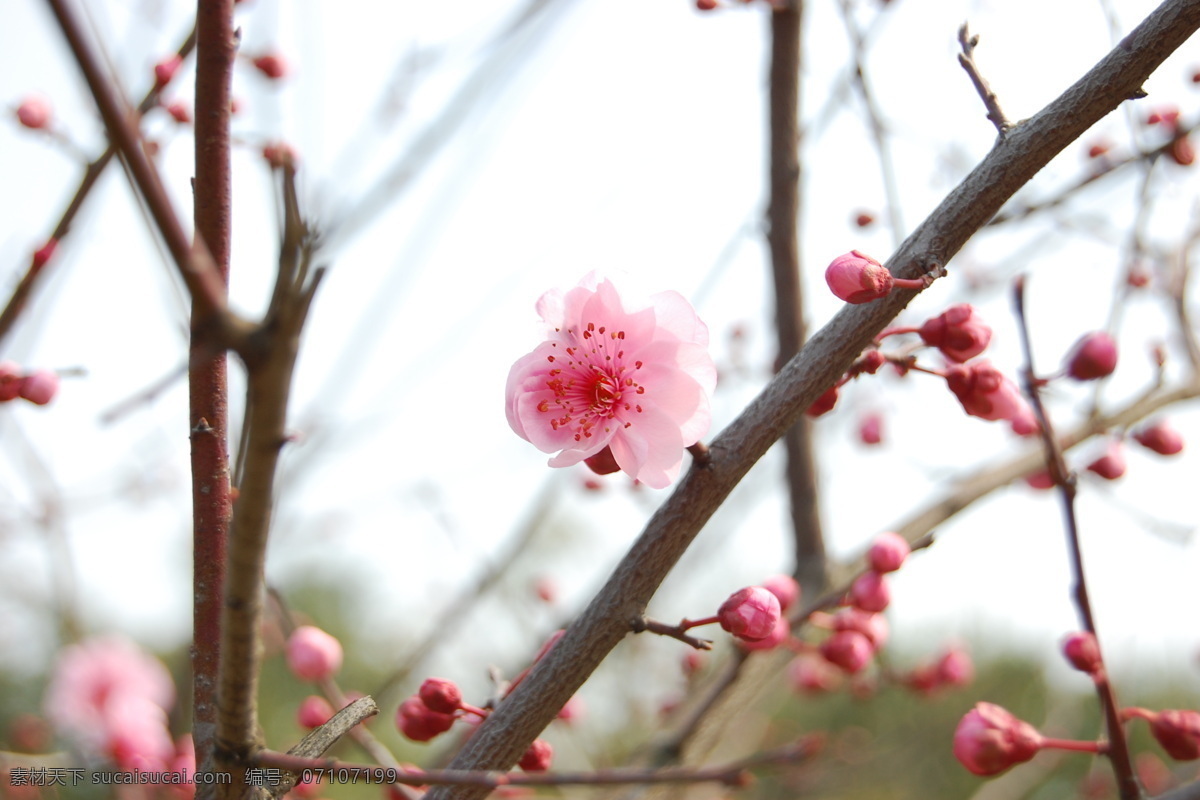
(733, 774)
(967, 59)
(1118, 747)
(648, 625)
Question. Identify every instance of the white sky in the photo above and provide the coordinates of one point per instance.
(630, 137)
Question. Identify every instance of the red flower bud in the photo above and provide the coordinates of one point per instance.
(39, 387)
(603, 463)
(955, 667)
(750, 613)
(43, 254)
(849, 650)
(870, 592)
(870, 429)
(1178, 732)
(272, 65)
(824, 403)
(1094, 356)
(984, 392)
(314, 712)
(1111, 465)
(1161, 438)
(873, 626)
(440, 695)
(888, 552)
(419, 722)
(538, 757)
(957, 332)
(785, 589)
(1083, 652)
(778, 635)
(165, 70)
(1182, 152)
(989, 740)
(10, 381)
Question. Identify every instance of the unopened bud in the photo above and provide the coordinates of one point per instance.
(1094, 356)
(440, 695)
(538, 757)
(1083, 652)
(312, 654)
(870, 592)
(750, 613)
(888, 552)
(989, 740)
(858, 278)
(1161, 438)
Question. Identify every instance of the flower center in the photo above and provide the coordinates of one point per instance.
(591, 382)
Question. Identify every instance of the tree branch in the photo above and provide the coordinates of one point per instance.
(1028, 147)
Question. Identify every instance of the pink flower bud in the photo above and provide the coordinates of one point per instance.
(750, 613)
(273, 65)
(984, 391)
(706, 5)
(870, 429)
(858, 278)
(779, 634)
(545, 589)
(870, 592)
(280, 155)
(419, 722)
(957, 332)
(1094, 356)
(10, 381)
(989, 740)
(538, 757)
(849, 650)
(785, 589)
(440, 695)
(1161, 438)
(1110, 465)
(1025, 423)
(43, 254)
(863, 219)
(873, 626)
(888, 552)
(813, 675)
(1083, 652)
(955, 667)
(312, 654)
(1098, 149)
(39, 387)
(824, 403)
(314, 711)
(35, 113)
(179, 112)
(165, 70)
(1178, 732)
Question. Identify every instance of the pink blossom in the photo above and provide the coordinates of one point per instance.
(112, 698)
(888, 552)
(989, 740)
(634, 378)
(750, 613)
(984, 391)
(957, 332)
(312, 654)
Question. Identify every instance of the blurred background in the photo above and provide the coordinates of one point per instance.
(462, 159)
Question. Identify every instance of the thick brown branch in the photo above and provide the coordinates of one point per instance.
(501, 740)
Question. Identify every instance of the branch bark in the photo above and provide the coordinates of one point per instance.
(208, 390)
(1029, 146)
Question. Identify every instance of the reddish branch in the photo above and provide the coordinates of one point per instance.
(504, 736)
(1118, 747)
(208, 391)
